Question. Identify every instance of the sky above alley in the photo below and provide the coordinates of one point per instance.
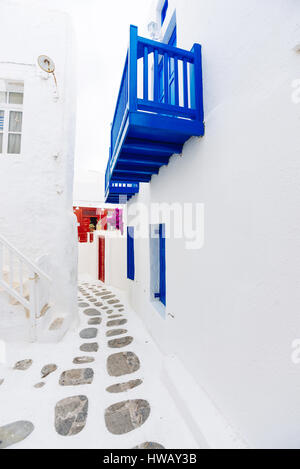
(102, 32)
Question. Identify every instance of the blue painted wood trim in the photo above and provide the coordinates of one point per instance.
(162, 264)
(166, 78)
(130, 253)
(163, 108)
(156, 77)
(176, 79)
(185, 85)
(145, 77)
(132, 82)
(162, 49)
(164, 11)
(179, 126)
(197, 83)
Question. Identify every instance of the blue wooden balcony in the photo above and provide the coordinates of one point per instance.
(159, 107)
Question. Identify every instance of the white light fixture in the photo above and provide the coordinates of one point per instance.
(48, 67)
(153, 30)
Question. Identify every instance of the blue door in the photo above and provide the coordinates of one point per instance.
(130, 252)
(162, 264)
(172, 42)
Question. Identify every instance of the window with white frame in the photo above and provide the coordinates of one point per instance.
(11, 117)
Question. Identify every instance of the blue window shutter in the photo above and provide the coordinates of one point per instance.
(130, 252)
(162, 263)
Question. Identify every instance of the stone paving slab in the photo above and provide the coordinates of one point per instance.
(82, 360)
(116, 322)
(39, 385)
(122, 363)
(121, 342)
(92, 347)
(126, 416)
(23, 365)
(92, 312)
(76, 377)
(94, 321)
(47, 369)
(89, 333)
(114, 332)
(122, 387)
(14, 433)
(71, 415)
(149, 445)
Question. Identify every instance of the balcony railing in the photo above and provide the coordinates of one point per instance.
(160, 81)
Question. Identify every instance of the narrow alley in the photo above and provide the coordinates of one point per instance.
(104, 387)
(149, 226)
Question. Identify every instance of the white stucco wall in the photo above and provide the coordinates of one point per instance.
(115, 259)
(88, 260)
(115, 262)
(235, 303)
(36, 187)
(88, 188)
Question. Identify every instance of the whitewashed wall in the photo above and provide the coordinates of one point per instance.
(235, 303)
(89, 188)
(36, 187)
(115, 259)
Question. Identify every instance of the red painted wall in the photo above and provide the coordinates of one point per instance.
(84, 215)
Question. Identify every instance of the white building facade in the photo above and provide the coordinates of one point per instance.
(37, 129)
(232, 278)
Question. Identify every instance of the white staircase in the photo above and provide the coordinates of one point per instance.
(25, 283)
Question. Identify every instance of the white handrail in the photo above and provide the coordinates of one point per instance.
(37, 298)
(25, 259)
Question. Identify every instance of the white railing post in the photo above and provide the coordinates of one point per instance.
(11, 268)
(1, 261)
(21, 277)
(33, 304)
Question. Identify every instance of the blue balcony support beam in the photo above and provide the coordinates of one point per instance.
(151, 148)
(120, 176)
(147, 131)
(136, 172)
(134, 160)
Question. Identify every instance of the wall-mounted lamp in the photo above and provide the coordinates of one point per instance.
(48, 66)
(153, 30)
